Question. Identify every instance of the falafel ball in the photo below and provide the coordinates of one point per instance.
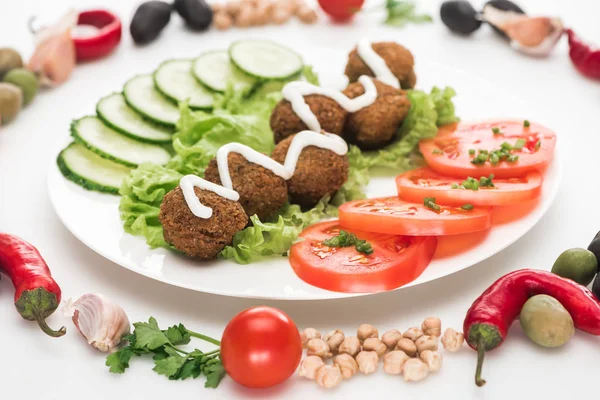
(397, 57)
(285, 122)
(198, 237)
(376, 125)
(261, 191)
(319, 172)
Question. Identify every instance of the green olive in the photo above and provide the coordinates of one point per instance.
(11, 100)
(576, 264)
(24, 79)
(9, 59)
(546, 322)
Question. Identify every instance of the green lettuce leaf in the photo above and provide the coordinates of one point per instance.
(272, 238)
(444, 105)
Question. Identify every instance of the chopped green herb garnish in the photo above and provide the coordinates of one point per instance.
(437, 151)
(346, 239)
(486, 181)
(494, 159)
(526, 124)
(429, 202)
(483, 151)
(467, 207)
(538, 144)
(519, 144)
(470, 184)
(471, 151)
(512, 158)
(496, 131)
(456, 186)
(506, 146)
(481, 158)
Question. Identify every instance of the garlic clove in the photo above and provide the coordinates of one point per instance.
(553, 29)
(102, 322)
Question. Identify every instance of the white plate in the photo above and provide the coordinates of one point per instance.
(94, 218)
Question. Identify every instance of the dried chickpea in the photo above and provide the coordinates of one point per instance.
(334, 339)
(366, 331)
(328, 376)
(394, 361)
(318, 347)
(433, 359)
(307, 334)
(280, 16)
(414, 370)
(407, 346)
(391, 338)
(367, 362)
(222, 21)
(376, 345)
(452, 340)
(347, 364)
(218, 7)
(427, 343)
(350, 345)
(306, 14)
(413, 333)
(262, 13)
(233, 7)
(245, 17)
(432, 326)
(309, 366)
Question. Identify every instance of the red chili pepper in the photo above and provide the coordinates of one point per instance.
(104, 41)
(487, 321)
(585, 58)
(37, 295)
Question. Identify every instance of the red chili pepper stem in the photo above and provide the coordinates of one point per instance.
(480, 354)
(483, 337)
(37, 305)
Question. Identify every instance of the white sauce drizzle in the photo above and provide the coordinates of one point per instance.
(376, 63)
(302, 140)
(294, 92)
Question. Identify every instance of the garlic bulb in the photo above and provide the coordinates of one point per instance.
(102, 322)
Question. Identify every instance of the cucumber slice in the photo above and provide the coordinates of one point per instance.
(175, 81)
(140, 94)
(114, 112)
(90, 171)
(214, 70)
(110, 144)
(265, 59)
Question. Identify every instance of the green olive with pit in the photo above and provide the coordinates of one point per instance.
(576, 264)
(11, 101)
(546, 322)
(9, 59)
(24, 79)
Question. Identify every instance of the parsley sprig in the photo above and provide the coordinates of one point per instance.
(169, 360)
(346, 239)
(401, 13)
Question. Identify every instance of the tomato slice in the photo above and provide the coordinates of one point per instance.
(398, 217)
(448, 152)
(424, 182)
(395, 261)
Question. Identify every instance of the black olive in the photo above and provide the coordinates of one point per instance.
(197, 14)
(503, 5)
(459, 16)
(596, 287)
(594, 247)
(149, 20)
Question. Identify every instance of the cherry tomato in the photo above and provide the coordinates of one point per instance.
(397, 217)
(341, 10)
(451, 152)
(261, 347)
(395, 261)
(424, 182)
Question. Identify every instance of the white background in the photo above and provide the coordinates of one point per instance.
(34, 366)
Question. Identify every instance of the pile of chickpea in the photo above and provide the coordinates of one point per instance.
(413, 354)
(247, 13)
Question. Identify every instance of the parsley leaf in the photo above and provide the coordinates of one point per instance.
(171, 365)
(214, 374)
(119, 361)
(178, 335)
(148, 335)
(401, 13)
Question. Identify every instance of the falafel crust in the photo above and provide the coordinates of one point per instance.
(319, 172)
(261, 191)
(284, 121)
(376, 125)
(198, 237)
(397, 57)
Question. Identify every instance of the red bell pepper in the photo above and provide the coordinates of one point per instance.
(104, 41)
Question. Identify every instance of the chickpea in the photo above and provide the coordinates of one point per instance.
(245, 17)
(391, 338)
(328, 376)
(433, 359)
(222, 21)
(393, 362)
(334, 339)
(414, 370)
(350, 345)
(413, 333)
(367, 362)
(427, 343)
(366, 331)
(218, 7)
(407, 346)
(376, 345)
(452, 340)
(280, 16)
(309, 366)
(306, 14)
(233, 8)
(307, 334)
(262, 13)
(432, 326)
(319, 348)
(347, 364)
